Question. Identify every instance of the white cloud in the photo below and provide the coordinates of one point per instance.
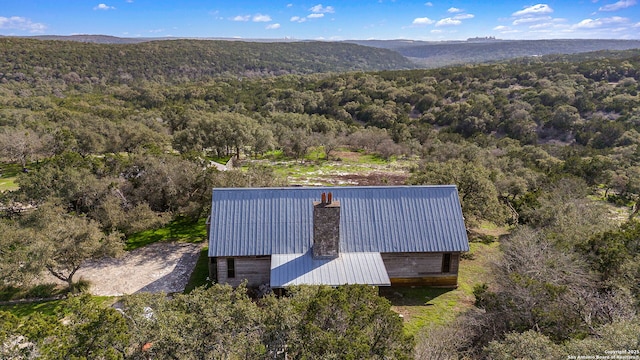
(242, 18)
(428, 4)
(273, 26)
(505, 30)
(319, 9)
(453, 10)
(129, 1)
(622, 4)
(261, 18)
(21, 23)
(541, 26)
(531, 19)
(103, 7)
(298, 19)
(464, 16)
(534, 10)
(555, 25)
(597, 23)
(588, 23)
(422, 21)
(436, 31)
(216, 15)
(315, 16)
(289, 5)
(448, 22)
(636, 25)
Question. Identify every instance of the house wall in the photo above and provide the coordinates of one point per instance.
(255, 269)
(404, 269)
(420, 269)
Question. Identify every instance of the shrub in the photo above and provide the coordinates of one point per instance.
(81, 286)
(41, 291)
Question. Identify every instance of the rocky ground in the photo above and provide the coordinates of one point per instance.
(159, 267)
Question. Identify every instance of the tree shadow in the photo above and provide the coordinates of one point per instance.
(182, 229)
(176, 280)
(412, 296)
(200, 274)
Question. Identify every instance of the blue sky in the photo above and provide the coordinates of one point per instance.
(326, 20)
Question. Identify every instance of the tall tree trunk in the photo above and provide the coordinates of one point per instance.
(68, 278)
(23, 162)
(635, 210)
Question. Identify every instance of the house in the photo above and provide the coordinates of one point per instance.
(384, 235)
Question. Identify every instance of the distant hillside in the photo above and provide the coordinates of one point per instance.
(437, 54)
(179, 60)
(582, 59)
(108, 39)
(98, 39)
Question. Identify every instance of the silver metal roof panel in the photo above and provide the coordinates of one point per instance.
(266, 221)
(348, 268)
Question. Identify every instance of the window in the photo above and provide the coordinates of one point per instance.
(231, 267)
(446, 263)
(213, 269)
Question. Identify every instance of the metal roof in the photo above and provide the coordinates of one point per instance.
(348, 268)
(385, 219)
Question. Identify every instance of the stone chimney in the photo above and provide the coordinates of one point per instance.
(326, 227)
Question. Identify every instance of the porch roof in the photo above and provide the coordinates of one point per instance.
(348, 268)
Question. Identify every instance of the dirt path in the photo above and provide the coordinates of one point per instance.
(160, 267)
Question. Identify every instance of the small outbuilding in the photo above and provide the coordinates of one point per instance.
(383, 236)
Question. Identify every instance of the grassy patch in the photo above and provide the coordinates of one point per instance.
(10, 170)
(8, 175)
(36, 292)
(425, 306)
(359, 157)
(315, 154)
(478, 270)
(273, 155)
(222, 160)
(200, 273)
(8, 184)
(45, 307)
(372, 159)
(422, 306)
(491, 229)
(345, 168)
(181, 229)
(50, 307)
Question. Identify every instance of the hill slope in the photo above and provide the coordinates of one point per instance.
(179, 60)
(436, 54)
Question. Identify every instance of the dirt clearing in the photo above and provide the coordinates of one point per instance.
(159, 267)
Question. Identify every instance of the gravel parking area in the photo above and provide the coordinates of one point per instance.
(159, 267)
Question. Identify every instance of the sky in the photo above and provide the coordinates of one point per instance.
(327, 20)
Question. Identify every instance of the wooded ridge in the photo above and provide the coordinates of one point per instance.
(184, 60)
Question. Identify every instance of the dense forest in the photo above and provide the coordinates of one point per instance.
(182, 60)
(548, 148)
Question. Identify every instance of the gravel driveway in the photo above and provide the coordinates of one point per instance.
(159, 267)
